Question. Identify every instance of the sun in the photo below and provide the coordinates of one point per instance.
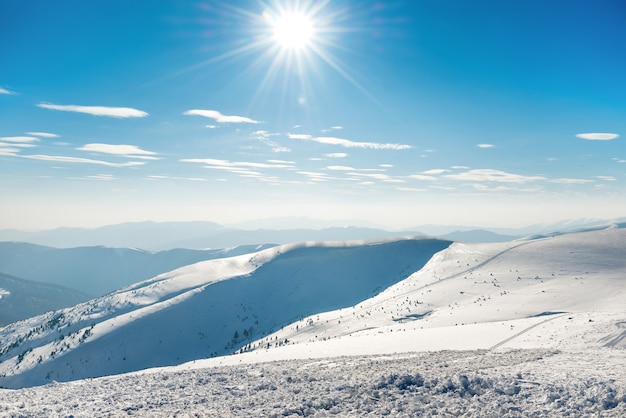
(293, 30)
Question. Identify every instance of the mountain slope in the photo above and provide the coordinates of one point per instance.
(99, 270)
(21, 299)
(205, 309)
(465, 284)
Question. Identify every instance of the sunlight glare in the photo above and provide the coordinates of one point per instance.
(293, 30)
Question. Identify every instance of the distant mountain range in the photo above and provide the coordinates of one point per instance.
(94, 271)
(158, 236)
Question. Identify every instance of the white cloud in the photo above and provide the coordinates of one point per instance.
(63, 159)
(606, 178)
(281, 162)
(346, 168)
(484, 188)
(594, 136)
(5, 91)
(303, 137)
(410, 189)
(315, 176)
(218, 117)
(235, 164)
(114, 112)
(422, 177)
(18, 139)
(485, 145)
(382, 177)
(43, 134)
(8, 151)
(336, 155)
(436, 171)
(264, 137)
(336, 127)
(130, 151)
(17, 145)
(571, 181)
(105, 177)
(210, 126)
(340, 168)
(386, 165)
(493, 175)
(349, 143)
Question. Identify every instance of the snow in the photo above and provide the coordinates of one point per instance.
(529, 383)
(202, 310)
(532, 328)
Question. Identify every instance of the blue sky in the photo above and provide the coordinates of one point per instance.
(398, 113)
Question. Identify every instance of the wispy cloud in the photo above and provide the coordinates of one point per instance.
(346, 168)
(43, 134)
(571, 181)
(485, 188)
(17, 145)
(485, 145)
(411, 189)
(158, 177)
(606, 178)
(493, 176)
(422, 177)
(235, 164)
(129, 151)
(378, 176)
(317, 176)
(218, 117)
(594, 136)
(8, 151)
(114, 112)
(329, 140)
(436, 171)
(64, 159)
(19, 139)
(281, 162)
(336, 155)
(5, 91)
(102, 177)
(264, 137)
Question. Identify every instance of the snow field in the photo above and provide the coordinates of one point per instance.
(518, 383)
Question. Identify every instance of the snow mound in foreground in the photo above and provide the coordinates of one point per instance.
(529, 383)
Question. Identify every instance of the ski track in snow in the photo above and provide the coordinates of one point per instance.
(524, 331)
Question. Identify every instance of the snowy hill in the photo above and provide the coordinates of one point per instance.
(467, 285)
(205, 309)
(21, 299)
(540, 323)
(98, 270)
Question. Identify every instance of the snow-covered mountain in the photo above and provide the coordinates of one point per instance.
(95, 271)
(540, 323)
(21, 299)
(205, 309)
(467, 285)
